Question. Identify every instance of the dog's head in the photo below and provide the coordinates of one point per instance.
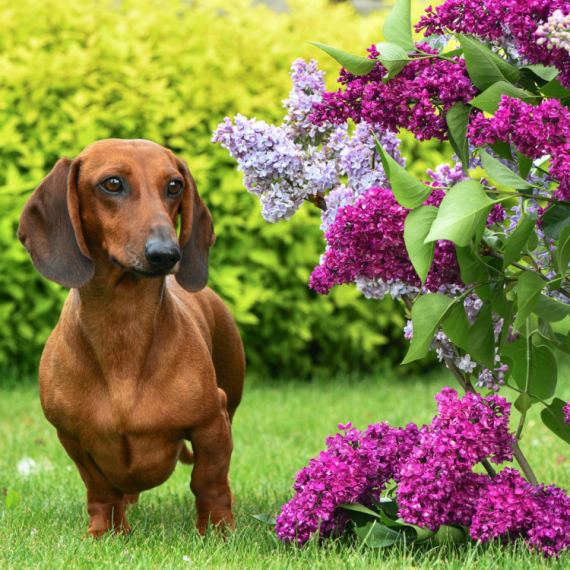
(118, 202)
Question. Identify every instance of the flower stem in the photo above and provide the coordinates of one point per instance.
(468, 387)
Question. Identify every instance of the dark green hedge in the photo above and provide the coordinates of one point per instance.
(72, 72)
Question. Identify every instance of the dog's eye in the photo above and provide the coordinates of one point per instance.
(174, 187)
(112, 185)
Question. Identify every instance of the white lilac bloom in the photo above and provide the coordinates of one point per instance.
(555, 32)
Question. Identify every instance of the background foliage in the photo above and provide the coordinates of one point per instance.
(72, 72)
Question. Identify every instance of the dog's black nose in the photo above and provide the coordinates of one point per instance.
(162, 254)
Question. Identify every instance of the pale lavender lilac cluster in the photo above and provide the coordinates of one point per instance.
(534, 130)
(555, 32)
(517, 25)
(417, 99)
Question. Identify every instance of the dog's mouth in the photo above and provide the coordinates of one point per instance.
(145, 273)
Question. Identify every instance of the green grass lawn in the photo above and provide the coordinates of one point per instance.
(278, 428)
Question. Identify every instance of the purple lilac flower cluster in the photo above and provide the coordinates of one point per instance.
(512, 508)
(566, 410)
(354, 468)
(512, 24)
(417, 99)
(367, 240)
(432, 467)
(534, 130)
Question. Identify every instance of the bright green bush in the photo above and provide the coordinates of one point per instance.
(72, 72)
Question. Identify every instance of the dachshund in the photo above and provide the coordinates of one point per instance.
(144, 356)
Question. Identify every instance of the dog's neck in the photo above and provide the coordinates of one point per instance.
(119, 315)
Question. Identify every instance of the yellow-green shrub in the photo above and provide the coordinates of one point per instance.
(72, 72)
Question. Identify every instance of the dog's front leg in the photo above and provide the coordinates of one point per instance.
(212, 444)
(104, 502)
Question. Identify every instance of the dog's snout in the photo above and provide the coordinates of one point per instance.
(162, 254)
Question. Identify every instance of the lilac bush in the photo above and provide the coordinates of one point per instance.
(483, 270)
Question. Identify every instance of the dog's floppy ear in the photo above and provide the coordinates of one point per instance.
(50, 228)
(196, 235)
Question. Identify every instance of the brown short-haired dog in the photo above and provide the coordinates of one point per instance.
(144, 355)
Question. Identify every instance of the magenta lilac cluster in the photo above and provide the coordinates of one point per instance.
(367, 240)
(436, 485)
(534, 130)
(566, 410)
(417, 99)
(354, 468)
(515, 25)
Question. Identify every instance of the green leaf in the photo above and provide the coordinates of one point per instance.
(529, 287)
(563, 251)
(354, 64)
(398, 26)
(544, 371)
(517, 241)
(547, 336)
(427, 313)
(460, 213)
(393, 58)
(358, 508)
(556, 219)
(484, 66)
(481, 338)
(503, 149)
(265, 518)
(416, 228)
(449, 534)
(376, 535)
(409, 192)
(545, 73)
(553, 418)
(456, 326)
(489, 100)
(523, 402)
(12, 499)
(525, 164)
(471, 267)
(390, 506)
(550, 309)
(555, 90)
(503, 174)
(457, 119)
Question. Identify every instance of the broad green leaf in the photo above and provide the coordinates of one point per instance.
(555, 90)
(489, 100)
(354, 64)
(427, 313)
(503, 149)
(398, 26)
(550, 309)
(563, 251)
(503, 174)
(544, 371)
(408, 191)
(457, 119)
(393, 58)
(390, 506)
(553, 418)
(12, 499)
(545, 73)
(481, 338)
(556, 219)
(376, 535)
(517, 241)
(357, 507)
(529, 287)
(471, 267)
(525, 164)
(456, 326)
(484, 66)
(416, 228)
(547, 336)
(460, 213)
(523, 402)
(265, 518)
(449, 533)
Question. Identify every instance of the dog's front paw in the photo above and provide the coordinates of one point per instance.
(220, 520)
